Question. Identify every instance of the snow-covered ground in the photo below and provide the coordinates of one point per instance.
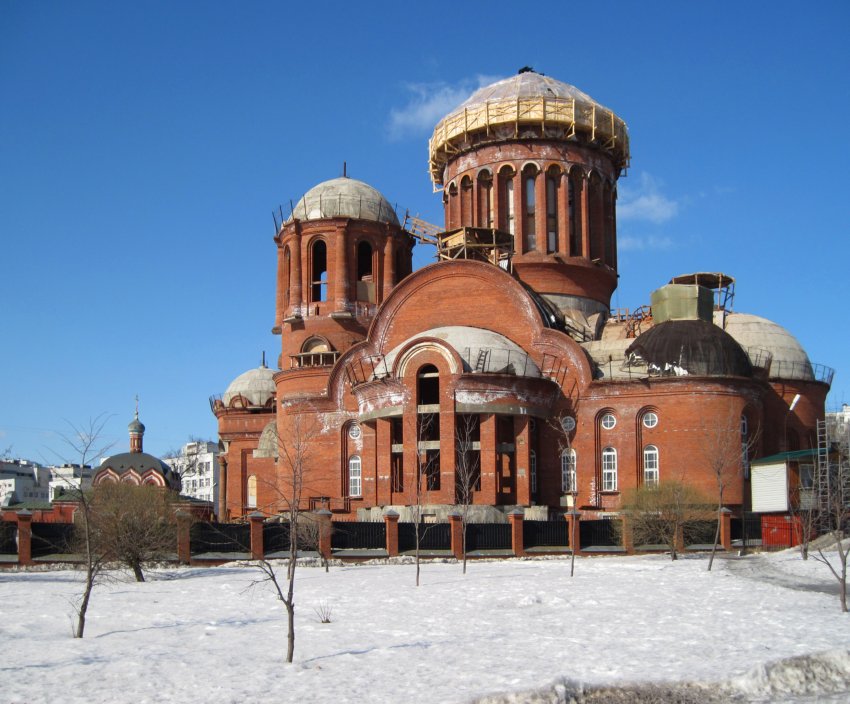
(507, 631)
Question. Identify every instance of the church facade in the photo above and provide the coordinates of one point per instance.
(499, 375)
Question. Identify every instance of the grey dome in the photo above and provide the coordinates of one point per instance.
(689, 348)
(136, 426)
(789, 359)
(344, 198)
(256, 386)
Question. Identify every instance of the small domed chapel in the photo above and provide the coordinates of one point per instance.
(501, 367)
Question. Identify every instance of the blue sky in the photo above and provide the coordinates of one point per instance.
(143, 147)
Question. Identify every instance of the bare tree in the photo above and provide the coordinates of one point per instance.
(467, 471)
(726, 447)
(133, 525)
(83, 444)
(837, 516)
(563, 427)
(294, 450)
(657, 514)
(427, 473)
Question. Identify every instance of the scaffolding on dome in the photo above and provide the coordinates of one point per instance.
(598, 124)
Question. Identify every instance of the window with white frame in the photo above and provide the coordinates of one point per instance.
(609, 469)
(568, 471)
(650, 465)
(532, 462)
(609, 421)
(650, 419)
(355, 486)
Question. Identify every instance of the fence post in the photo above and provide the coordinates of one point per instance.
(726, 528)
(324, 532)
(258, 551)
(627, 537)
(516, 518)
(574, 531)
(457, 534)
(184, 548)
(24, 519)
(391, 523)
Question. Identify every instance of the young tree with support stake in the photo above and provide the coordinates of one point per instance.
(427, 467)
(467, 471)
(726, 448)
(294, 450)
(564, 426)
(85, 443)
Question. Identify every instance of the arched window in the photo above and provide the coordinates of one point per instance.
(507, 201)
(428, 425)
(485, 199)
(595, 217)
(608, 224)
(287, 273)
(532, 467)
(575, 185)
(553, 182)
(568, 471)
(319, 272)
(466, 202)
(609, 469)
(650, 465)
(453, 214)
(252, 492)
(355, 478)
(530, 201)
(364, 261)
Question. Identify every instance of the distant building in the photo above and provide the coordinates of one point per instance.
(69, 478)
(136, 466)
(23, 482)
(197, 465)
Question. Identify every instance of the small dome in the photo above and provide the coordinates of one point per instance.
(531, 99)
(255, 385)
(789, 359)
(136, 426)
(689, 348)
(344, 198)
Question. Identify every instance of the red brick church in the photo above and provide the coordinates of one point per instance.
(501, 366)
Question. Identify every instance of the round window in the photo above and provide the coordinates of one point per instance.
(568, 423)
(354, 432)
(650, 420)
(608, 421)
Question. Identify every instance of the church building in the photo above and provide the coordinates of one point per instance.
(500, 371)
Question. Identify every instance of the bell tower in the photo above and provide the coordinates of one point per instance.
(539, 160)
(340, 254)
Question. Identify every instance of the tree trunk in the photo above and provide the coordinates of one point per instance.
(84, 605)
(290, 614)
(137, 572)
(463, 544)
(716, 539)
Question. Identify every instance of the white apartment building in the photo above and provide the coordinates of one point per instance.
(69, 478)
(22, 481)
(197, 465)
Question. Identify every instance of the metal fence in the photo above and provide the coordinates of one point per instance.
(600, 533)
(8, 544)
(538, 534)
(219, 537)
(51, 538)
(488, 536)
(275, 537)
(432, 536)
(348, 535)
(755, 530)
(699, 532)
